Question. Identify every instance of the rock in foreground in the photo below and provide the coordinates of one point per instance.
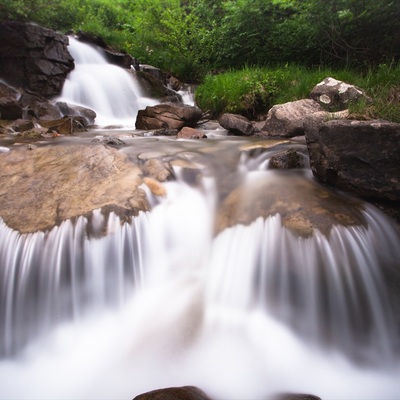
(174, 393)
(44, 186)
(360, 157)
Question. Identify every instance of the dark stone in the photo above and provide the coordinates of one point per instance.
(38, 107)
(360, 157)
(174, 393)
(70, 110)
(34, 58)
(9, 102)
(295, 396)
(236, 124)
(155, 87)
(287, 159)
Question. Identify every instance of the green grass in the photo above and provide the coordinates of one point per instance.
(252, 91)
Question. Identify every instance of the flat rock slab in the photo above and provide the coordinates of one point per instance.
(42, 187)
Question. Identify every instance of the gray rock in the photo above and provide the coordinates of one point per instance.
(334, 95)
(236, 124)
(287, 120)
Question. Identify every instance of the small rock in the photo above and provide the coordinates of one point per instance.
(236, 124)
(190, 133)
(155, 186)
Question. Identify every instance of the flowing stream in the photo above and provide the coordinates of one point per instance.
(218, 286)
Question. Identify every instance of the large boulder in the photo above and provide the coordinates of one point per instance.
(336, 95)
(34, 58)
(361, 157)
(287, 120)
(169, 116)
(236, 124)
(48, 185)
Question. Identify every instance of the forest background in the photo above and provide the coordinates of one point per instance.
(197, 39)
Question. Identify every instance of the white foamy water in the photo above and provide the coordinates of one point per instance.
(161, 302)
(111, 91)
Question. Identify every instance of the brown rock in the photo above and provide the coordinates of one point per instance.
(168, 115)
(155, 186)
(50, 184)
(303, 205)
(190, 133)
(156, 169)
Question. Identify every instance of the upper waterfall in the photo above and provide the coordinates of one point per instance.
(111, 91)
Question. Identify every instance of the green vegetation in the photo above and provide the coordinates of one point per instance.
(289, 44)
(192, 37)
(251, 91)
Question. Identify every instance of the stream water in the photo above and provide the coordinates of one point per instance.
(206, 289)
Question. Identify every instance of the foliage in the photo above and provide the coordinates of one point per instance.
(190, 38)
(247, 91)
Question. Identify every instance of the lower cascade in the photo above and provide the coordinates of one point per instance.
(96, 308)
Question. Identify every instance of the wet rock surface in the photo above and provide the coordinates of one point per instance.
(169, 116)
(34, 58)
(304, 206)
(174, 393)
(359, 157)
(42, 187)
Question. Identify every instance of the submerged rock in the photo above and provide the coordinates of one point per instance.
(287, 159)
(50, 184)
(303, 205)
(174, 393)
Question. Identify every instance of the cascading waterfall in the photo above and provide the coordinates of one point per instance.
(163, 301)
(111, 91)
(97, 308)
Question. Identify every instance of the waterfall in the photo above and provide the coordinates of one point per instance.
(163, 300)
(112, 92)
